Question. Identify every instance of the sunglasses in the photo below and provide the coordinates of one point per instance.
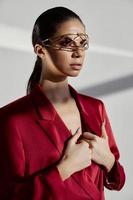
(68, 42)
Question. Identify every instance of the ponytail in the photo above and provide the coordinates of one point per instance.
(35, 76)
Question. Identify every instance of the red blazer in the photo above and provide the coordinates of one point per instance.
(32, 139)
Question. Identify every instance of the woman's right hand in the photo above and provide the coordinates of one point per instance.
(77, 156)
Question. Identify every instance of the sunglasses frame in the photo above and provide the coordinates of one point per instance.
(71, 48)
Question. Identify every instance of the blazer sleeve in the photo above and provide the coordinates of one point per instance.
(14, 183)
(115, 179)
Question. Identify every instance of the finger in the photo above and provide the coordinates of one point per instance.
(78, 129)
(104, 133)
(85, 142)
(89, 136)
(76, 135)
(89, 142)
(75, 131)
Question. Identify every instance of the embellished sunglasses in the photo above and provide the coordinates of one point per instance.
(68, 42)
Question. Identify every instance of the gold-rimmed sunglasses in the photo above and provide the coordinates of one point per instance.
(68, 42)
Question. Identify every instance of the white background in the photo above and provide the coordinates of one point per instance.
(108, 68)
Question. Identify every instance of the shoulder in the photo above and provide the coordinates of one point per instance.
(92, 104)
(16, 108)
(90, 100)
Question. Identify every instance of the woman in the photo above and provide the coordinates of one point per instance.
(54, 142)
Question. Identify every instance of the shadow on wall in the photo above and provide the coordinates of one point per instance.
(110, 87)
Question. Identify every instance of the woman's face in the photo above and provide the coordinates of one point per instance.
(60, 62)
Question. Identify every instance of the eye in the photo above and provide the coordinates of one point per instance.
(65, 42)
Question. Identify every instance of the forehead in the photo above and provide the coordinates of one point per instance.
(72, 26)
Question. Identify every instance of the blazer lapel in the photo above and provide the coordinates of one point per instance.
(48, 119)
(88, 111)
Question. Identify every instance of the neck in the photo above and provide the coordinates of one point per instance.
(57, 92)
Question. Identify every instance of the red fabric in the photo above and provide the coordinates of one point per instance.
(32, 138)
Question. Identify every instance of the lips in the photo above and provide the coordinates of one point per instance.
(73, 64)
(76, 66)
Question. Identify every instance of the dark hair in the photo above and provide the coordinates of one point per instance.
(45, 26)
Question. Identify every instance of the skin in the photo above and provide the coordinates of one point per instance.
(56, 68)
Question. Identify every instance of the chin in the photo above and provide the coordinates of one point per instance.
(74, 74)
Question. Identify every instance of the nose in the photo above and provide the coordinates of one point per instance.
(77, 53)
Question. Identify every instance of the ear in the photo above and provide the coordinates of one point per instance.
(39, 50)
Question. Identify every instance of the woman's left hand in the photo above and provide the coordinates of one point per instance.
(101, 153)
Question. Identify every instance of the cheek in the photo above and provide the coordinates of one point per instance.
(65, 57)
(61, 58)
